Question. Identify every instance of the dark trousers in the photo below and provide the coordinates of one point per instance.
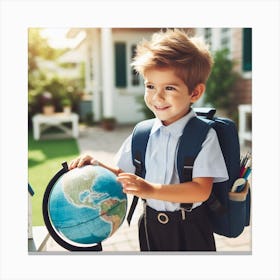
(194, 233)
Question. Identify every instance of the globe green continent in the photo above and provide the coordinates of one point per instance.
(112, 210)
(79, 189)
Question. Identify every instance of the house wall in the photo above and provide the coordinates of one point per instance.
(243, 91)
(126, 108)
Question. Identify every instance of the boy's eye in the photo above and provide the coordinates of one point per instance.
(150, 87)
(170, 88)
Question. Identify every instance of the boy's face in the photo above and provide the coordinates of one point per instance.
(166, 95)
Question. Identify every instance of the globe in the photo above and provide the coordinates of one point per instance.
(84, 206)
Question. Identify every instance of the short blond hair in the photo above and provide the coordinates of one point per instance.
(189, 56)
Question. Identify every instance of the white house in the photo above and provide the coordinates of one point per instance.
(110, 81)
(112, 84)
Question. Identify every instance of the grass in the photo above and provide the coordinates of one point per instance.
(44, 161)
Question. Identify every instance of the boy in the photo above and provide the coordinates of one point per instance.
(175, 69)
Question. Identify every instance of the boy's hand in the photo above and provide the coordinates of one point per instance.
(188, 192)
(135, 185)
(81, 161)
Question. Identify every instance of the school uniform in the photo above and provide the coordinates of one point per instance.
(188, 231)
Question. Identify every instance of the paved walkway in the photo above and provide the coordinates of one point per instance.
(104, 145)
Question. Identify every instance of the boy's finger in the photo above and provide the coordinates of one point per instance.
(80, 163)
(127, 175)
(73, 164)
(125, 182)
(130, 189)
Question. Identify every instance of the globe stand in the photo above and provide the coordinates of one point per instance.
(53, 233)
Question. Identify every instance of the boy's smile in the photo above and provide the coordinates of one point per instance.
(166, 95)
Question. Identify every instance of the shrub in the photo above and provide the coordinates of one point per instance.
(59, 89)
(221, 81)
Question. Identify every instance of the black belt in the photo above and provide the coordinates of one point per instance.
(164, 217)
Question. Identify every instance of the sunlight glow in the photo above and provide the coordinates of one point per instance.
(57, 37)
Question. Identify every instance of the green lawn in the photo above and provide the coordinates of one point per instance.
(44, 161)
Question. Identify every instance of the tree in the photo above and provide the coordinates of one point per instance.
(39, 80)
(39, 47)
(221, 81)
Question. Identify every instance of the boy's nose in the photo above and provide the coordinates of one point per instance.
(159, 95)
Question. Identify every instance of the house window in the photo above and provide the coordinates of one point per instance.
(247, 49)
(120, 65)
(225, 38)
(135, 80)
(125, 75)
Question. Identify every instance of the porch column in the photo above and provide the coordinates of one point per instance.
(107, 71)
(97, 109)
(88, 78)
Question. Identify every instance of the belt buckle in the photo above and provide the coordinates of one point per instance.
(162, 218)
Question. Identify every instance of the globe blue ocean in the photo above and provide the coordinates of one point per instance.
(87, 205)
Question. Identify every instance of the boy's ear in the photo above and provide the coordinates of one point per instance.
(197, 92)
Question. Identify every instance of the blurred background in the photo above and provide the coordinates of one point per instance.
(89, 69)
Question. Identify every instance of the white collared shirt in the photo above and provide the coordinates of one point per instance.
(161, 158)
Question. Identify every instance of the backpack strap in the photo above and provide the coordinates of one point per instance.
(140, 137)
(198, 130)
(190, 145)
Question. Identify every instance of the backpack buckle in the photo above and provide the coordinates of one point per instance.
(137, 161)
(188, 166)
(138, 167)
(188, 169)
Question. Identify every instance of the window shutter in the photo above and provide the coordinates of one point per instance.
(247, 49)
(120, 65)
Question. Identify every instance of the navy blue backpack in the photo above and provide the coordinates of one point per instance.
(229, 212)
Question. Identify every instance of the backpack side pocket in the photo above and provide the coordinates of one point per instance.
(238, 210)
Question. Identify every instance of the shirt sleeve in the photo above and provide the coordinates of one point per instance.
(123, 158)
(210, 161)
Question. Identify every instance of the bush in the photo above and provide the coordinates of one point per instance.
(221, 81)
(59, 89)
(143, 108)
(66, 102)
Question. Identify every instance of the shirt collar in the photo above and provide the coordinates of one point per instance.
(176, 128)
